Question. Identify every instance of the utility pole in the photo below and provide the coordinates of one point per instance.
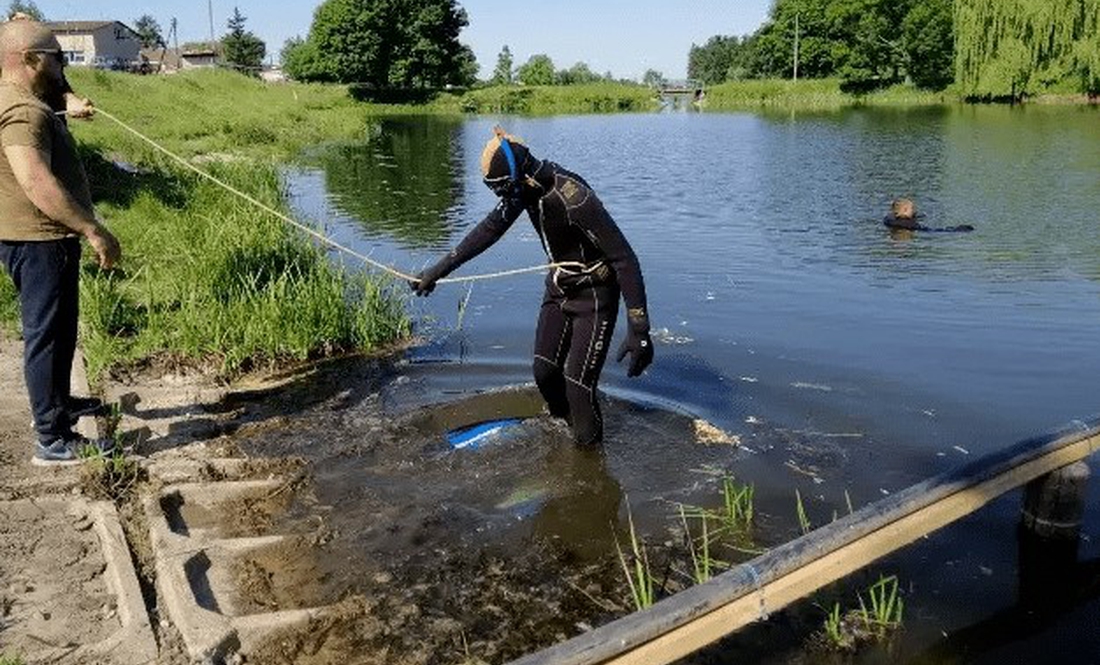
(210, 10)
(175, 36)
(796, 46)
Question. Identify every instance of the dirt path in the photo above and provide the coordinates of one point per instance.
(53, 596)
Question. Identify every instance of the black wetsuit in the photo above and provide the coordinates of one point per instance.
(581, 302)
(911, 224)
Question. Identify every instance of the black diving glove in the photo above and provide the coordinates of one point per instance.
(425, 280)
(637, 343)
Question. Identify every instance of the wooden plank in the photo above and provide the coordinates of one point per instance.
(683, 623)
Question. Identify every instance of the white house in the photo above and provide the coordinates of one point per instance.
(105, 44)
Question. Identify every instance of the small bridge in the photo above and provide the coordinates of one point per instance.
(691, 87)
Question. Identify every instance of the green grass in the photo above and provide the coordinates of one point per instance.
(703, 564)
(636, 570)
(205, 276)
(10, 660)
(886, 607)
(737, 503)
(811, 94)
(549, 99)
(9, 304)
(803, 519)
(836, 636)
(876, 620)
(211, 278)
(218, 111)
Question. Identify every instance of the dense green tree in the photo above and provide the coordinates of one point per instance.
(816, 25)
(538, 70)
(653, 78)
(874, 56)
(929, 43)
(1018, 47)
(27, 7)
(384, 44)
(502, 75)
(578, 74)
(240, 48)
(711, 63)
(867, 43)
(302, 62)
(148, 31)
(466, 67)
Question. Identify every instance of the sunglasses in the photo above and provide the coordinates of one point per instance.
(55, 52)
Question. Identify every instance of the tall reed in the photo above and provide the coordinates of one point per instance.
(637, 572)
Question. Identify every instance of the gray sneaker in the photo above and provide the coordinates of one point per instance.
(70, 451)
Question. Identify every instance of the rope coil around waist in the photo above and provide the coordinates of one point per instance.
(578, 268)
(319, 236)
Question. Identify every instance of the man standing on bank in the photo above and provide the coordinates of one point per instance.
(581, 302)
(45, 206)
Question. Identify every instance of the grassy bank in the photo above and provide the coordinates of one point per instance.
(550, 99)
(732, 95)
(207, 277)
(811, 94)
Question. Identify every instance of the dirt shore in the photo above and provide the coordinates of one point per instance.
(317, 516)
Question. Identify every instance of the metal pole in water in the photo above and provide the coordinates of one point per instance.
(1049, 535)
(1055, 503)
(796, 46)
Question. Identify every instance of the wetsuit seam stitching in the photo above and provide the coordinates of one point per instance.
(595, 333)
(539, 356)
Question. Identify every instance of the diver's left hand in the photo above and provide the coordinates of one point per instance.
(638, 344)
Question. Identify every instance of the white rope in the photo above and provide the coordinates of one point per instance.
(322, 238)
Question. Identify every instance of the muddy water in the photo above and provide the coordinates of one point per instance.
(851, 363)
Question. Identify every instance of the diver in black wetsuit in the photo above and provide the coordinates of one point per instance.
(903, 217)
(581, 302)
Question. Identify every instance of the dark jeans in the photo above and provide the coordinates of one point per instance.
(46, 275)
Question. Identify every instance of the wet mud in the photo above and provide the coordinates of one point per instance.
(420, 553)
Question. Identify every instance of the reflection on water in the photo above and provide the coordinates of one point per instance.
(781, 296)
(400, 183)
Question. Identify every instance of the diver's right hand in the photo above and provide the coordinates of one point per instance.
(425, 280)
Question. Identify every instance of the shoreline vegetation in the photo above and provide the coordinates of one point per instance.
(207, 279)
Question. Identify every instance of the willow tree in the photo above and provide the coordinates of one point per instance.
(1017, 47)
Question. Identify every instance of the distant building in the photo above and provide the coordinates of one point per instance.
(273, 74)
(197, 59)
(163, 60)
(103, 44)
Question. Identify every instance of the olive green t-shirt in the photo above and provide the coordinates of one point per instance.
(27, 121)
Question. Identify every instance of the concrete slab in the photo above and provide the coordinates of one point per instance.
(91, 564)
(193, 567)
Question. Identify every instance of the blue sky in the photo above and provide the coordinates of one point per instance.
(623, 36)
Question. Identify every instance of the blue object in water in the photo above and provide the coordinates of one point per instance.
(471, 436)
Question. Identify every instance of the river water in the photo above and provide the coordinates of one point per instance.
(781, 303)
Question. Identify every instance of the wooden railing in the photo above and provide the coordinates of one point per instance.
(691, 619)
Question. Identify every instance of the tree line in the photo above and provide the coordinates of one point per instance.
(989, 48)
(986, 48)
